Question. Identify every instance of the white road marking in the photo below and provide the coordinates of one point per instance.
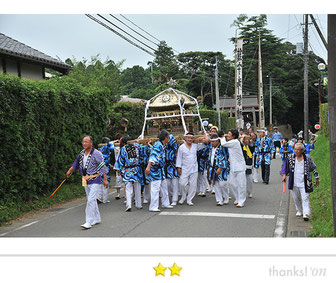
(55, 214)
(19, 228)
(214, 214)
(280, 226)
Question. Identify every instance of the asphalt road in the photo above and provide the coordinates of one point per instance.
(264, 215)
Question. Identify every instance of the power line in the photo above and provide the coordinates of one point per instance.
(140, 28)
(318, 39)
(146, 31)
(126, 32)
(117, 33)
(322, 29)
(133, 30)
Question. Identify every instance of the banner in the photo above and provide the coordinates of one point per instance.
(261, 95)
(239, 83)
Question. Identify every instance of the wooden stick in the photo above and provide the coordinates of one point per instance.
(58, 187)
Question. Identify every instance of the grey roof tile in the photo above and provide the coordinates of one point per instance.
(13, 47)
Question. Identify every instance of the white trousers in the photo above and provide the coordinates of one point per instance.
(173, 188)
(91, 211)
(129, 194)
(238, 186)
(249, 183)
(301, 200)
(255, 174)
(146, 192)
(192, 180)
(221, 191)
(118, 181)
(157, 187)
(103, 193)
(202, 181)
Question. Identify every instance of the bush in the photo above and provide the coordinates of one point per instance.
(42, 124)
(133, 112)
(320, 199)
(227, 122)
(324, 120)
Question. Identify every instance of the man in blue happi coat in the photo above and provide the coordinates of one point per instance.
(276, 137)
(106, 149)
(155, 173)
(171, 176)
(129, 166)
(264, 149)
(217, 158)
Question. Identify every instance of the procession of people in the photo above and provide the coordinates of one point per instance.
(165, 173)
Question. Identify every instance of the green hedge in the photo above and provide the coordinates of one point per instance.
(41, 128)
(324, 120)
(227, 123)
(133, 112)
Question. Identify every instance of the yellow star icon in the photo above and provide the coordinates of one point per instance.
(175, 270)
(160, 270)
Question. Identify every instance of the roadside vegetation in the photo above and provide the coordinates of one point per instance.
(320, 199)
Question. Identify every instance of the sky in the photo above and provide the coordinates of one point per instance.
(75, 35)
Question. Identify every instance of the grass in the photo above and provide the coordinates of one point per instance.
(15, 208)
(321, 198)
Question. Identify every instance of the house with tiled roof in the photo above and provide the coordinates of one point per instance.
(250, 107)
(21, 60)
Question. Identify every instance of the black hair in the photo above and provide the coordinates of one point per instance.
(124, 140)
(234, 133)
(190, 133)
(106, 140)
(118, 136)
(163, 134)
(221, 133)
(214, 136)
(286, 139)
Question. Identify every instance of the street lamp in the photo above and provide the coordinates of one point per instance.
(270, 79)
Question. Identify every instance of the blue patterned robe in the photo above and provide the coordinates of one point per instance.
(264, 152)
(170, 162)
(146, 151)
(202, 160)
(285, 155)
(106, 151)
(221, 161)
(157, 157)
(129, 163)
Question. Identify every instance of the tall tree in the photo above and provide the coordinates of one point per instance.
(164, 65)
(280, 62)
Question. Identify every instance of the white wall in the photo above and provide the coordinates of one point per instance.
(11, 67)
(29, 71)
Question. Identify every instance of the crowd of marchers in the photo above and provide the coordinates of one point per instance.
(164, 174)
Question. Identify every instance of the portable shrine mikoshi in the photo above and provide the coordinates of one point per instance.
(174, 111)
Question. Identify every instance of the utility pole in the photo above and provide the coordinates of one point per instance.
(319, 31)
(212, 99)
(271, 102)
(217, 95)
(305, 76)
(332, 107)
